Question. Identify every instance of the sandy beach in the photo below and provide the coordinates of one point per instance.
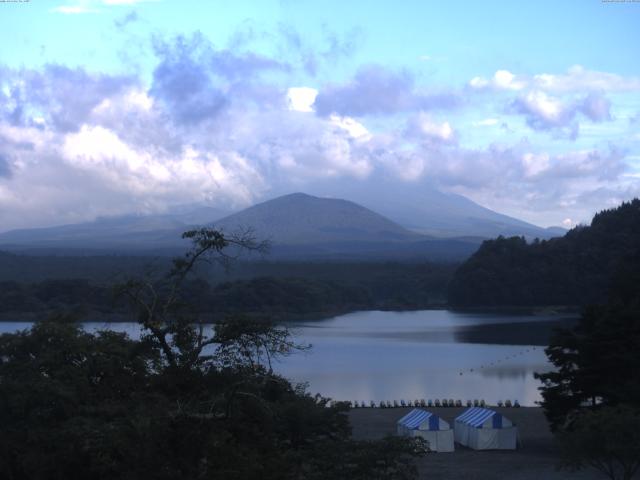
(536, 459)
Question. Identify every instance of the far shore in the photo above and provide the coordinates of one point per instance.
(285, 317)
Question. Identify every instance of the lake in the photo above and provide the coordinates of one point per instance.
(430, 354)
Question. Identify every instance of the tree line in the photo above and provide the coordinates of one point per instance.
(576, 269)
(393, 287)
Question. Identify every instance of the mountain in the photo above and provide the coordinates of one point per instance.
(300, 219)
(432, 212)
(424, 209)
(105, 234)
(301, 226)
(576, 269)
(298, 226)
(437, 226)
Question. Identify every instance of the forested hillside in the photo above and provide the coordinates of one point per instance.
(299, 290)
(572, 270)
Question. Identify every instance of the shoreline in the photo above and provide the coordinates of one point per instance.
(535, 459)
(288, 317)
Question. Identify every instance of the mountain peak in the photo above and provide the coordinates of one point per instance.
(301, 218)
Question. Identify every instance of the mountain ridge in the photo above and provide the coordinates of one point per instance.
(299, 218)
(299, 225)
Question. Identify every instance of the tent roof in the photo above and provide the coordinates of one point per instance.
(476, 416)
(416, 417)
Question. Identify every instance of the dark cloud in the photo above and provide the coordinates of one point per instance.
(71, 94)
(596, 107)
(337, 46)
(376, 90)
(546, 113)
(127, 19)
(5, 167)
(197, 82)
(601, 165)
(333, 47)
(293, 42)
(186, 88)
(56, 96)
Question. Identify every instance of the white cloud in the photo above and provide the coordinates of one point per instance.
(125, 2)
(507, 80)
(546, 112)
(354, 128)
(502, 80)
(576, 79)
(74, 9)
(534, 164)
(544, 106)
(102, 152)
(423, 127)
(301, 99)
(93, 6)
(487, 122)
(442, 131)
(478, 82)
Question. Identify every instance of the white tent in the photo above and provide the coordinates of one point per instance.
(484, 429)
(420, 423)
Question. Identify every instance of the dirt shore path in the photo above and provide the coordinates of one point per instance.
(536, 459)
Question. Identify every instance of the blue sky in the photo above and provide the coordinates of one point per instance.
(119, 106)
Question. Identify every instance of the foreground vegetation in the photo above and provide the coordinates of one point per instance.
(592, 398)
(180, 403)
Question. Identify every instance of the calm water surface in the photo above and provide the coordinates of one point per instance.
(410, 355)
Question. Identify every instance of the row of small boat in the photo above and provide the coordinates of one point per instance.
(428, 403)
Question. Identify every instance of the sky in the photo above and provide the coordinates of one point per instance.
(111, 107)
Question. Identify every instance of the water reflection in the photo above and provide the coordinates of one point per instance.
(411, 355)
(428, 354)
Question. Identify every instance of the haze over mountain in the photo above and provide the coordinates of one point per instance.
(430, 211)
(114, 233)
(298, 225)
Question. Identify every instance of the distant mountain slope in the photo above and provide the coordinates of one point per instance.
(299, 227)
(305, 227)
(298, 218)
(137, 232)
(427, 210)
(427, 223)
(576, 269)
(449, 215)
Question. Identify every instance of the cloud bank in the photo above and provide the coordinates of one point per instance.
(229, 127)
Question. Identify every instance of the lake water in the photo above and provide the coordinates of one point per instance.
(427, 354)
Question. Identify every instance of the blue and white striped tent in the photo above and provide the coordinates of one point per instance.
(485, 429)
(421, 423)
